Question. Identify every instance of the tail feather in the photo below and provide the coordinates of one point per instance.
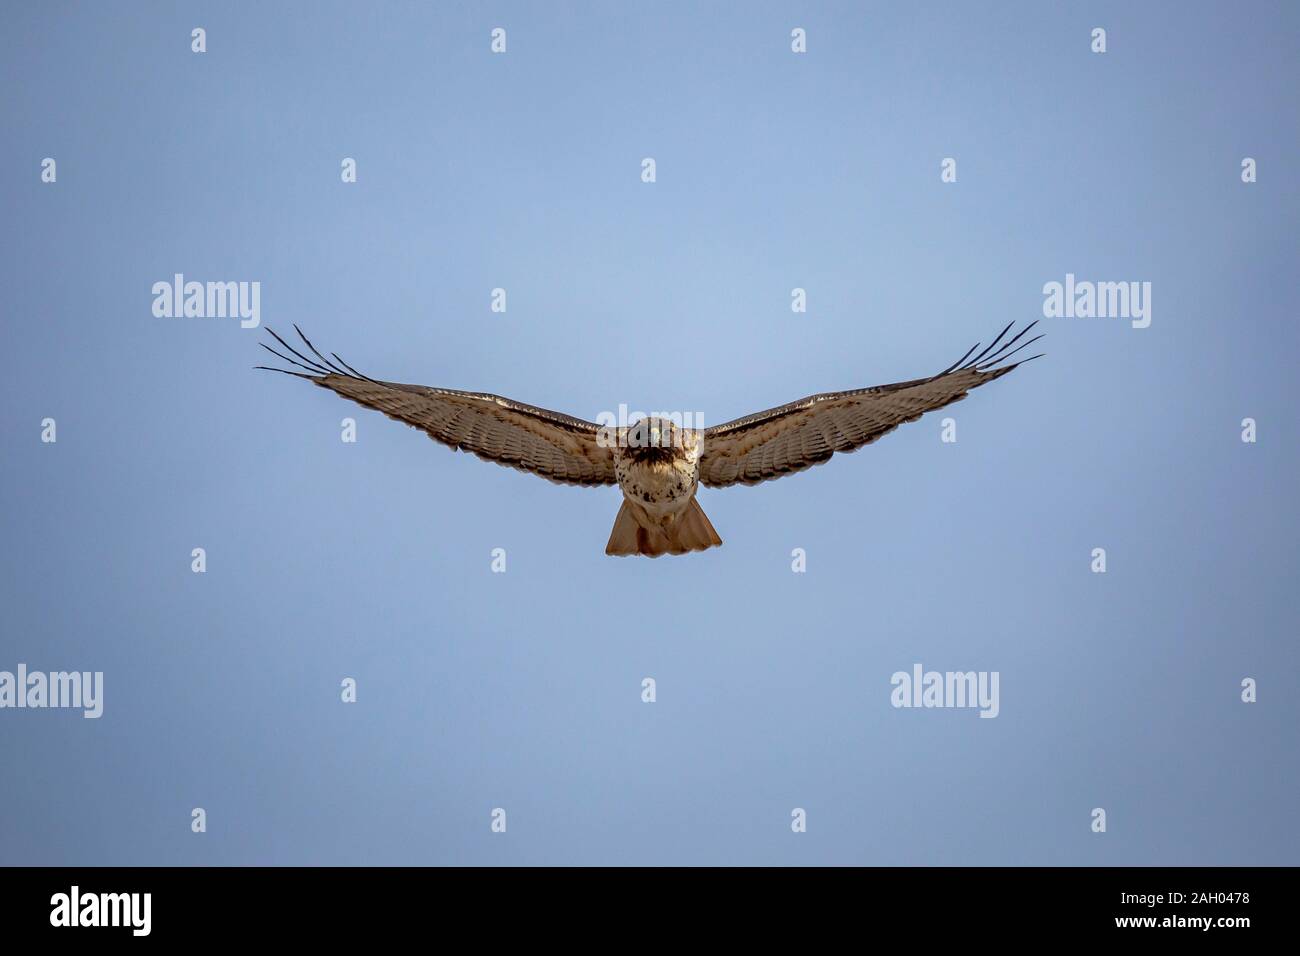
(692, 531)
(623, 538)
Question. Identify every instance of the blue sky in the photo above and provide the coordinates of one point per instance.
(522, 690)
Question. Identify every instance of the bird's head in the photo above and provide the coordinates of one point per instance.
(654, 440)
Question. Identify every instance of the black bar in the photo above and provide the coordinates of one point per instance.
(336, 904)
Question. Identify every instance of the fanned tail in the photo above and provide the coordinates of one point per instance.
(692, 531)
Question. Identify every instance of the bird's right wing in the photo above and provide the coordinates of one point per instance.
(798, 435)
(555, 446)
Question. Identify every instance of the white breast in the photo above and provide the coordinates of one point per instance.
(661, 488)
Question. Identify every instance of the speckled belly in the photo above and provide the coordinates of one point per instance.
(660, 488)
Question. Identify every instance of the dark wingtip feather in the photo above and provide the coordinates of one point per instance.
(976, 359)
(995, 353)
(347, 366)
(366, 378)
(317, 369)
(285, 358)
(1007, 355)
(333, 368)
(285, 371)
(310, 364)
(1002, 353)
(960, 360)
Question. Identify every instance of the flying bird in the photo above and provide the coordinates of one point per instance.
(657, 463)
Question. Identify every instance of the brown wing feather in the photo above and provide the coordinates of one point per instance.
(793, 437)
(555, 446)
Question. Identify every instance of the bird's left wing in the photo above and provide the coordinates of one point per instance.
(781, 441)
(555, 446)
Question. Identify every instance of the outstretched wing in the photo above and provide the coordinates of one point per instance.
(781, 441)
(551, 444)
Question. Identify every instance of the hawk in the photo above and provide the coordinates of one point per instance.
(656, 462)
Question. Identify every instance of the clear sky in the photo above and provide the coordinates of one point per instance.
(774, 171)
